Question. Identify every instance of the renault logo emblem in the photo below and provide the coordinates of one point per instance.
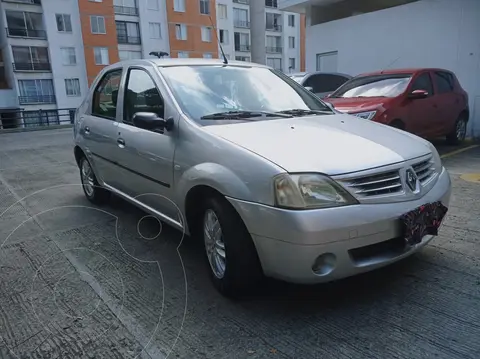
(411, 179)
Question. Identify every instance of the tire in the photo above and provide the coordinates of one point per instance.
(459, 132)
(92, 189)
(242, 270)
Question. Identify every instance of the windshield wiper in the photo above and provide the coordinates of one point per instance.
(237, 115)
(302, 112)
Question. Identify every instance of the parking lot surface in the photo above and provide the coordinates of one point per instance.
(78, 281)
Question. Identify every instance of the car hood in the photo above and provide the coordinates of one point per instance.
(330, 144)
(356, 104)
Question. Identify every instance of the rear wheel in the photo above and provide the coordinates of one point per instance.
(232, 258)
(93, 191)
(459, 132)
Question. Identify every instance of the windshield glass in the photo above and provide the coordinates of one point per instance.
(206, 90)
(374, 86)
(297, 78)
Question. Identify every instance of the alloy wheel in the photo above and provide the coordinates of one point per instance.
(87, 178)
(461, 130)
(214, 244)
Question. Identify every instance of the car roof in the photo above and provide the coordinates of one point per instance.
(401, 71)
(169, 62)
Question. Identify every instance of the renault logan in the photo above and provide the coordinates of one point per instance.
(272, 180)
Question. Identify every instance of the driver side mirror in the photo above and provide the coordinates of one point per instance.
(151, 122)
(417, 94)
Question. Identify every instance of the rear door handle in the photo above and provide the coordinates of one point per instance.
(121, 142)
(87, 130)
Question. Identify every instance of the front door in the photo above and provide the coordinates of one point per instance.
(422, 113)
(448, 102)
(146, 156)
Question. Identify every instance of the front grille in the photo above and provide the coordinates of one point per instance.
(424, 170)
(375, 185)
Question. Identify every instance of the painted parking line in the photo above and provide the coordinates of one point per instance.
(456, 152)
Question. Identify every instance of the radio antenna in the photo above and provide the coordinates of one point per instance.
(225, 61)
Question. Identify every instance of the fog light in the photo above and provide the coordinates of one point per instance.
(324, 264)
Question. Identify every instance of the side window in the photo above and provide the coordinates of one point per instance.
(325, 82)
(141, 95)
(444, 82)
(423, 82)
(105, 96)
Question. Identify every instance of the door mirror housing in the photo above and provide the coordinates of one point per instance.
(418, 94)
(151, 122)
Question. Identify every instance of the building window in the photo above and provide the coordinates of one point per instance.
(64, 23)
(222, 11)
(206, 34)
(68, 56)
(181, 31)
(274, 44)
(31, 58)
(291, 63)
(128, 32)
(155, 30)
(129, 55)
(223, 36)
(242, 58)
(271, 3)
(291, 42)
(240, 18)
(97, 24)
(291, 20)
(205, 7)
(207, 55)
(36, 91)
(182, 55)
(25, 24)
(275, 63)
(241, 41)
(152, 5)
(101, 56)
(179, 5)
(95, 0)
(72, 87)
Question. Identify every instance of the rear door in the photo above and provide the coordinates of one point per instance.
(422, 113)
(325, 84)
(448, 102)
(99, 126)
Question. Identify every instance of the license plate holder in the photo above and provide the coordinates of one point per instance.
(422, 221)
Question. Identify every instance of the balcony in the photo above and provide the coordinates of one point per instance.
(28, 2)
(37, 99)
(125, 10)
(130, 40)
(243, 48)
(242, 23)
(32, 66)
(26, 33)
(275, 28)
(245, 2)
(273, 50)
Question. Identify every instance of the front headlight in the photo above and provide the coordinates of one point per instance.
(309, 191)
(365, 115)
(437, 161)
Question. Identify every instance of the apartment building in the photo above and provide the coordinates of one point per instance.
(51, 50)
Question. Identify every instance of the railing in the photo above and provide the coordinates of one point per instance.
(245, 2)
(32, 66)
(125, 10)
(277, 28)
(273, 50)
(33, 34)
(33, 2)
(122, 39)
(242, 23)
(244, 48)
(38, 118)
(36, 99)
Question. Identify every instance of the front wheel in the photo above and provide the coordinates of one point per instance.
(93, 191)
(459, 133)
(230, 252)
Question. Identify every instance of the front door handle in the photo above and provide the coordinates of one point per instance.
(121, 142)
(87, 130)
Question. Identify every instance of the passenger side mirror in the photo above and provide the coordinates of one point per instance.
(418, 94)
(309, 88)
(150, 121)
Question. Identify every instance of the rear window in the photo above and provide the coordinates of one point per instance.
(444, 81)
(374, 86)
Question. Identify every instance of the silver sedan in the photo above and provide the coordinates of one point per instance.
(274, 181)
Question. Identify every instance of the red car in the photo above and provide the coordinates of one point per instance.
(427, 102)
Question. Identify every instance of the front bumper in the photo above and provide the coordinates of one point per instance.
(316, 246)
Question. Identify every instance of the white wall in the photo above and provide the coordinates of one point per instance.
(441, 33)
(146, 16)
(227, 24)
(295, 32)
(57, 40)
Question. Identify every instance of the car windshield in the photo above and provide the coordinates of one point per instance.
(206, 92)
(297, 78)
(374, 86)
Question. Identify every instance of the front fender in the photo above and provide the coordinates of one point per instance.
(215, 176)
